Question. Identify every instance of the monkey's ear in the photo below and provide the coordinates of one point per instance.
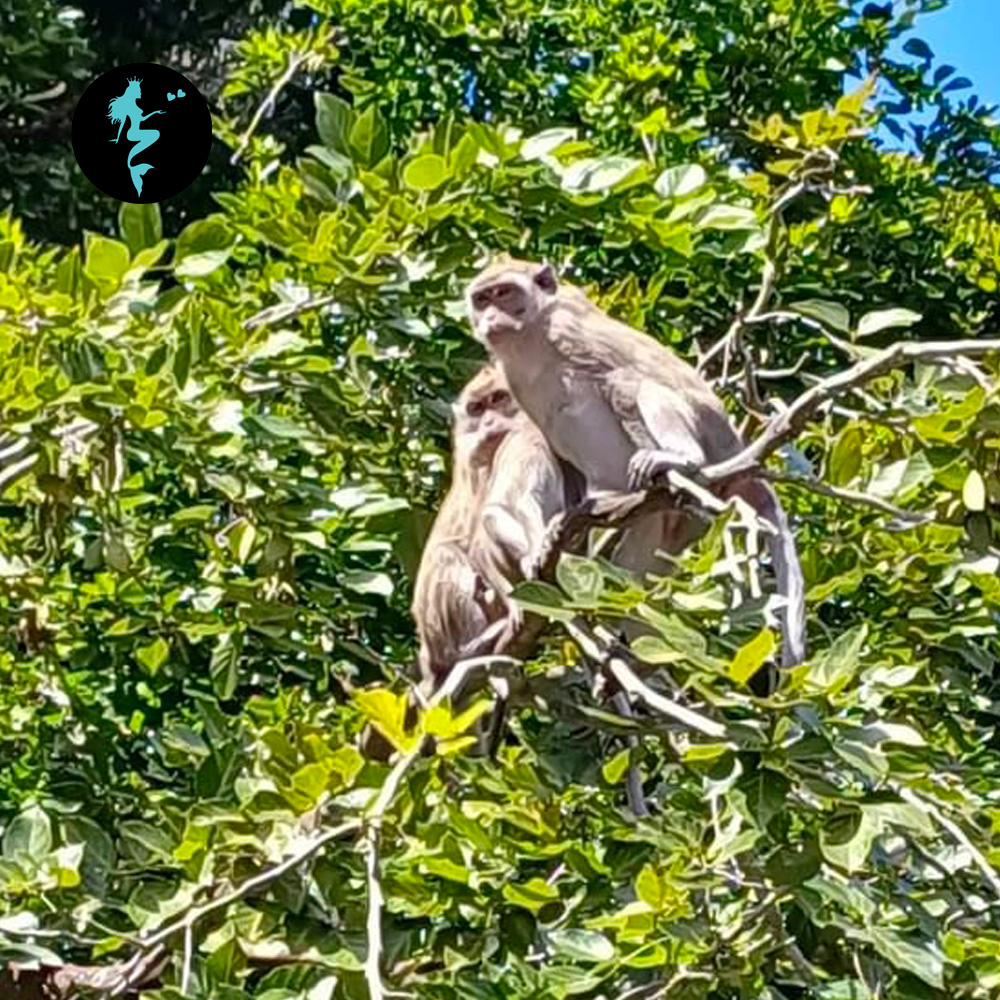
(546, 279)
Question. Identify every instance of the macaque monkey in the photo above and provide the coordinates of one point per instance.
(622, 409)
(506, 486)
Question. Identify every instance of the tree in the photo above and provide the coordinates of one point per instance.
(221, 450)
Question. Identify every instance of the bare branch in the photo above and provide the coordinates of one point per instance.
(787, 424)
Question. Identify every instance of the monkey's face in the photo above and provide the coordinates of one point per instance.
(508, 301)
(484, 415)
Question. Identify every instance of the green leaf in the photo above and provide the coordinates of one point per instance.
(444, 868)
(844, 462)
(846, 839)
(546, 142)
(197, 265)
(369, 138)
(766, 792)
(886, 319)
(334, 119)
(531, 895)
(29, 834)
(901, 480)
(727, 217)
(241, 539)
(387, 710)
(141, 225)
(203, 236)
(582, 946)
(580, 578)
(363, 581)
(794, 865)
(543, 599)
(106, 260)
(153, 656)
(599, 174)
(751, 656)
(922, 957)
(615, 767)
(974, 492)
(684, 179)
(425, 173)
(832, 669)
(311, 780)
(919, 48)
(831, 314)
(224, 666)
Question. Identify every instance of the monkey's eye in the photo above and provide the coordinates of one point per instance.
(475, 409)
(480, 300)
(503, 291)
(499, 398)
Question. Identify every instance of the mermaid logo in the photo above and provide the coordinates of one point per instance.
(126, 108)
(126, 157)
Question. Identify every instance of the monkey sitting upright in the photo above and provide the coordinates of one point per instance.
(506, 486)
(621, 408)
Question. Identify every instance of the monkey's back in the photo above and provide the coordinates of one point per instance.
(621, 358)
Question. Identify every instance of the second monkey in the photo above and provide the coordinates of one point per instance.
(506, 487)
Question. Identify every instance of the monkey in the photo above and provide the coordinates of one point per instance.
(622, 409)
(506, 487)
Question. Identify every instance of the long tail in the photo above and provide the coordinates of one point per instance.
(791, 585)
(787, 568)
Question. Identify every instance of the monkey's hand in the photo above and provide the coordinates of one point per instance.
(649, 464)
(515, 622)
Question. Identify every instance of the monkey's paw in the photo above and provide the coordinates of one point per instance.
(649, 464)
(515, 619)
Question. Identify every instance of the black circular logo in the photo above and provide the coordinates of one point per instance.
(142, 132)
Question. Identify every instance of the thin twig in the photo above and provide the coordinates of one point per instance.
(260, 880)
(188, 955)
(928, 806)
(295, 61)
(453, 683)
(282, 311)
(629, 682)
(911, 517)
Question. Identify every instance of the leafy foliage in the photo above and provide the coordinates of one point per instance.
(221, 449)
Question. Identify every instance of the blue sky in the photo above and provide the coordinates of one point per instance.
(966, 34)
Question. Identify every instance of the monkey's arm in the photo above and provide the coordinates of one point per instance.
(506, 531)
(669, 419)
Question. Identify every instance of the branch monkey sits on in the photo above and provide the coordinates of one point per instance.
(621, 408)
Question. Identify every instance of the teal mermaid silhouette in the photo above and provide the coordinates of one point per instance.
(126, 106)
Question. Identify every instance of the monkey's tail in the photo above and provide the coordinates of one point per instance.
(791, 585)
(787, 568)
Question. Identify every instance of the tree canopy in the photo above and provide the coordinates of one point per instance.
(224, 432)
